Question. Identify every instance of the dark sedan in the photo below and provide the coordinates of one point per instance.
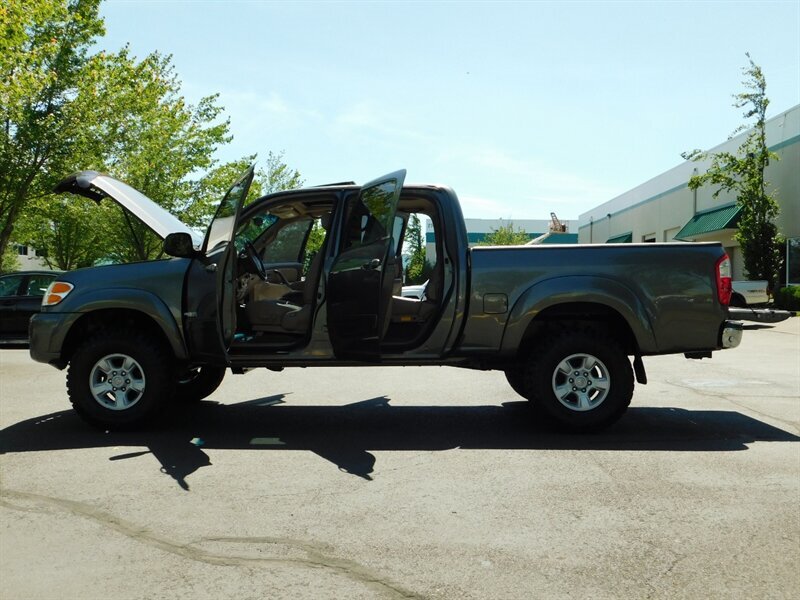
(20, 298)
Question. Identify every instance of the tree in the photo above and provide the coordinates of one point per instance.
(64, 231)
(506, 235)
(417, 269)
(64, 110)
(159, 145)
(277, 176)
(9, 260)
(43, 63)
(146, 134)
(743, 175)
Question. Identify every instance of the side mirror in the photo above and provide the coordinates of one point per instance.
(179, 244)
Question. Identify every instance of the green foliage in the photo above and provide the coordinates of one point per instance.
(743, 175)
(9, 260)
(43, 68)
(277, 176)
(506, 235)
(788, 298)
(158, 145)
(64, 110)
(65, 231)
(316, 238)
(417, 269)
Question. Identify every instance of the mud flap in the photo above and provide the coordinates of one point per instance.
(638, 369)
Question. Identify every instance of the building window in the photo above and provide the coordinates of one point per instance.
(22, 250)
(649, 238)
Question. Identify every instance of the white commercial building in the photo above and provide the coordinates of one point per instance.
(664, 209)
(478, 229)
(28, 259)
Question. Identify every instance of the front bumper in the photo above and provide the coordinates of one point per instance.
(46, 332)
(731, 334)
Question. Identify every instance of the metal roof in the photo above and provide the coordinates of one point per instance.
(625, 238)
(724, 217)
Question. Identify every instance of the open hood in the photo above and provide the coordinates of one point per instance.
(96, 186)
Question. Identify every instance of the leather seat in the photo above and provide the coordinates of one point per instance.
(292, 312)
(411, 310)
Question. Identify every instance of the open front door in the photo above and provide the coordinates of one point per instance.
(360, 280)
(221, 255)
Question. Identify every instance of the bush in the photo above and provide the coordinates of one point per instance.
(788, 298)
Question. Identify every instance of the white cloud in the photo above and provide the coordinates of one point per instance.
(270, 107)
(365, 118)
(479, 207)
(539, 183)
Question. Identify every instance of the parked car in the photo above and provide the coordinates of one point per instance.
(749, 303)
(414, 291)
(20, 298)
(568, 324)
(749, 293)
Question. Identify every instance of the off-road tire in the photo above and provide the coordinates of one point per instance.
(516, 379)
(590, 401)
(200, 382)
(101, 395)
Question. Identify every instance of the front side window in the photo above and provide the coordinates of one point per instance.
(222, 226)
(37, 284)
(370, 216)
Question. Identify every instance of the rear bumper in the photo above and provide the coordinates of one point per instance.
(731, 334)
(762, 315)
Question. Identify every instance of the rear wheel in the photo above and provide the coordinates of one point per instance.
(738, 301)
(119, 379)
(199, 382)
(581, 379)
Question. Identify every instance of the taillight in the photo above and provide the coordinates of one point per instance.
(724, 285)
(57, 291)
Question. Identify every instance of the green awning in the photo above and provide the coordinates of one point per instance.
(709, 221)
(625, 238)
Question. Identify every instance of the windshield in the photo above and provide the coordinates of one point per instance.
(254, 228)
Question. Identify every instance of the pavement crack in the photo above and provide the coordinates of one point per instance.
(315, 555)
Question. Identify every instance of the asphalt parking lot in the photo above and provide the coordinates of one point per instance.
(411, 483)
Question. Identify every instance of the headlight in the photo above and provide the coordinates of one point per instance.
(56, 292)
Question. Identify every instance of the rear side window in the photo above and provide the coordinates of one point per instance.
(9, 285)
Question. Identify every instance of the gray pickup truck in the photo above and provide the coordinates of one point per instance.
(568, 325)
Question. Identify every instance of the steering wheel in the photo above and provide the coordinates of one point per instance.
(251, 254)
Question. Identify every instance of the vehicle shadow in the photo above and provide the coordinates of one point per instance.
(347, 435)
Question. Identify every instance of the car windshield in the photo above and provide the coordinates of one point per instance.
(254, 228)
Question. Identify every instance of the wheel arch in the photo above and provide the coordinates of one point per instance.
(151, 317)
(738, 300)
(585, 300)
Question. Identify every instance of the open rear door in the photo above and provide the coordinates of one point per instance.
(360, 280)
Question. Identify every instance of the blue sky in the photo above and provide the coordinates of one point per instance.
(522, 107)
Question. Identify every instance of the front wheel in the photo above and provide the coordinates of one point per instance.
(199, 382)
(119, 379)
(581, 379)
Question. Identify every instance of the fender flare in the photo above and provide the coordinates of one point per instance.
(133, 300)
(584, 289)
